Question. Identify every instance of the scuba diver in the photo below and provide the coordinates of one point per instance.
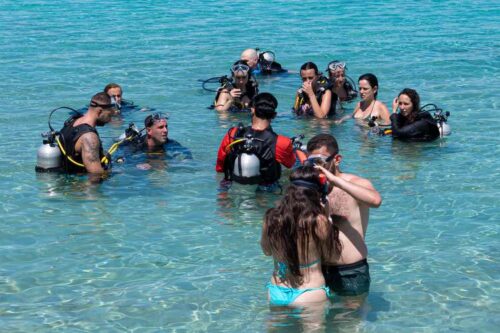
(81, 140)
(342, 86)
(115, 92)
(253, 154)
(371, 111)
(77, 148)
(413, 123)
(156, 139)
(314, 98)
(235, 93)
(262, 63)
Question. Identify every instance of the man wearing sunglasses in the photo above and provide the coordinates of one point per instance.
(346, 273)
(80, 139)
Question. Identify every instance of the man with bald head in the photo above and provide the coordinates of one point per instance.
(251, 57)
(261, 63)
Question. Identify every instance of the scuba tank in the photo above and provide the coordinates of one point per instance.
(247, 164)
(441, 118)
(48, 156)
(444, 129)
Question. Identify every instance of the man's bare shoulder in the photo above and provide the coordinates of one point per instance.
(356, 179)
(89, 141)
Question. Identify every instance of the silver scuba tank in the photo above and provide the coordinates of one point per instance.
(444, 129)
(249, 164)
(48, 157)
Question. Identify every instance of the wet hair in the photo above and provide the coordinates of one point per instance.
(100, 98)
(372, 80)
(415, 100)
(111, 86)
(323, 140)
(292, 224)
(309, 65)
(153, 118)
(265, 105)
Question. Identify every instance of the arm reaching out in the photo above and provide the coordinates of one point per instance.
(362, 189)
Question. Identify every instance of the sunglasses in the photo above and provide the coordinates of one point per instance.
(151, 119)
(335, 65)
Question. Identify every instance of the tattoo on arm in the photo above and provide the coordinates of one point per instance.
(90, 153)
(91, 147)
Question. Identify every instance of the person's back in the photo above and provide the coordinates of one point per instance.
(293, 233)
(252, 155)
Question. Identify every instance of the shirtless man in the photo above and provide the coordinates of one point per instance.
(347, 273)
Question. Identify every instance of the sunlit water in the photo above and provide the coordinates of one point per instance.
(163, 250)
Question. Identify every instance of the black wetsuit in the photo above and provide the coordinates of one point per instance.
(69, 136)
(265, 67)
(424, 128)
(172, 148)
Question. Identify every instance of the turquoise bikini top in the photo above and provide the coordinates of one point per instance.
(282, 267)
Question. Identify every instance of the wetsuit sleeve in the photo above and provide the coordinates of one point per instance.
(222, 153)
(419, 129)
(284, 151)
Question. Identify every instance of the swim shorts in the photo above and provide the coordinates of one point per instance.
(348, 280)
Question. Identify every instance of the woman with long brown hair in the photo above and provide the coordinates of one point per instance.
(294, 233)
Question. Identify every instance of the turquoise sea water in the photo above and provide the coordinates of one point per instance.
(163, 250)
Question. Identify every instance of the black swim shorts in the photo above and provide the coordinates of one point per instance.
(348, 280)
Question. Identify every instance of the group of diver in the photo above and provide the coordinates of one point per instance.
(320, 96)
(316, 232)
(77, 147)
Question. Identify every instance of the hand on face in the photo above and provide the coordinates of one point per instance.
(307, 88)
(330, 176)
(395, 102)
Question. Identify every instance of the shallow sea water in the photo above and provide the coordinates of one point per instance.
(163, 250)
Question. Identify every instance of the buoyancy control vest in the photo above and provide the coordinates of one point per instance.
(69, 136)
(252, 156)
(302, 105)
(227, 83)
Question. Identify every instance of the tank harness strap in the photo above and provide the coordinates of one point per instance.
(105, 160)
